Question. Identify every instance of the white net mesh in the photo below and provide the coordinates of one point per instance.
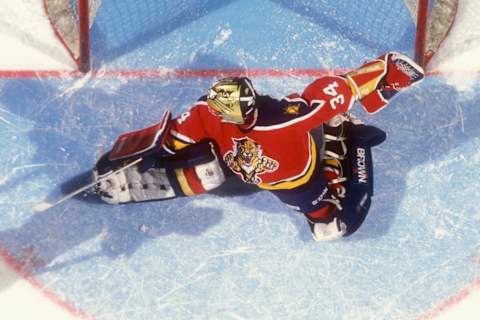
(64, 17)
(440, 19)
(439, 23)
(141, 19)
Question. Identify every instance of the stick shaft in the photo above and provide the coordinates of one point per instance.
(90, 185)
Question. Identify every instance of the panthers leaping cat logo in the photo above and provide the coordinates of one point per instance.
(247, 161)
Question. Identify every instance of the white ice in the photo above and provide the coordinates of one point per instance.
(32, 45)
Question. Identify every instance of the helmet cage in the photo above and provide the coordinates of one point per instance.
(232, 99)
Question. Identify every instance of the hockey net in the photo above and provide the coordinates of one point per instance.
(72, 19)
(434, 19)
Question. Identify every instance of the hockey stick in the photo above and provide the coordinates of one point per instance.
(42, 206)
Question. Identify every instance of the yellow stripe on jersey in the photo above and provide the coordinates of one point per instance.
(177, 144)
(282, 185)
(182, 181)
(177, 141)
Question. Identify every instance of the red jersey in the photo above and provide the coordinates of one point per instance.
(277, 151)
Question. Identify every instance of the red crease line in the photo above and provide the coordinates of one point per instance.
(20, 270)
(175, 73)
(451, 302)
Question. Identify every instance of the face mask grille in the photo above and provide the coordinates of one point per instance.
(231, 100)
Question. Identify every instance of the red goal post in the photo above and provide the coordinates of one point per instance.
(71, 21)
(434, 20)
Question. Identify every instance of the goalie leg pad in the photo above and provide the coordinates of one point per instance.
(133, 185)
(356, 204)
(152, 184)
(114, 189)
(191, 172)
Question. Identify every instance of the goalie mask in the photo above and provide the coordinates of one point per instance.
(232, 99)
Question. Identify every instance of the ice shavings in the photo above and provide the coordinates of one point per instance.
(222, 37)
(439, 215)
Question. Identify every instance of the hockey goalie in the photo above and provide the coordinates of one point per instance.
(306, 149)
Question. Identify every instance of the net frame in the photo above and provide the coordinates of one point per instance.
(434, 20)
(71, 21)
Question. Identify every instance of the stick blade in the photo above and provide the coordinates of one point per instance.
(42, 206)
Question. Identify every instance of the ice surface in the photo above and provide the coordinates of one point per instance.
(242, 255)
